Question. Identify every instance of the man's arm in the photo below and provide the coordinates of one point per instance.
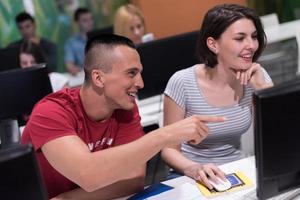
(96, 170)
(92, 171)
(173, 155)
(115, 190)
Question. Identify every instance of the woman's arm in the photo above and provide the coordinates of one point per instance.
(173, 156)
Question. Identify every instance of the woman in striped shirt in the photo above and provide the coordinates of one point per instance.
(230, 41)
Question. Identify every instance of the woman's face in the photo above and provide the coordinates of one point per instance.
(236, 46)
(27, 60)
(136, 29)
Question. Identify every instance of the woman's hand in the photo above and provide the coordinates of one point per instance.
(202, 172)
(254, 75)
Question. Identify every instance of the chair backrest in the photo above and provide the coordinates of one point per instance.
(269, 20)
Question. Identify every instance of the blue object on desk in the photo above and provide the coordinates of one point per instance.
(151, 191)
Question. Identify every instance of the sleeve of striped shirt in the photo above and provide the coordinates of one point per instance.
(175, 89)
(267, 76)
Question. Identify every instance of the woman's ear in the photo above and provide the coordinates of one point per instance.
(212, 44)
(97, 77)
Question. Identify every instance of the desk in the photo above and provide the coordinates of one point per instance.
(284, 31)
(150, 110)
(246, 165)
(74, 81)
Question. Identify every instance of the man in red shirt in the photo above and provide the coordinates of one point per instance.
(89, 140)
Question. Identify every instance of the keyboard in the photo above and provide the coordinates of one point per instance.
(290, 195)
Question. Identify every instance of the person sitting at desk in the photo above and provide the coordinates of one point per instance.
(89, 140)
(74, 46)
(230, 41)
(27, 27)
(31, 54)
(130, 22)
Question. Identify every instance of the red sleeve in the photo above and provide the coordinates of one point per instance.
(48, 121)
(130, 127)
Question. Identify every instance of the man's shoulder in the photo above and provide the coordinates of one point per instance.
(64, 99)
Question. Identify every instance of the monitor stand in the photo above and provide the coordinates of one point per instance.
(9, 132)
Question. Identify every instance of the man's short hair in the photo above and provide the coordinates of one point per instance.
(98, 52)
(80, 11)
(23, 16)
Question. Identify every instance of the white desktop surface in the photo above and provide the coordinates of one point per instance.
(75, 80)
(247, 166)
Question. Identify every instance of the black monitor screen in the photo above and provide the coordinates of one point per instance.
(20, 175)
(105, 30)
(162, 58)
(277, 139)
(20, 89)
(9, 58)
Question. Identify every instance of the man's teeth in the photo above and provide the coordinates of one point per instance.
(131, 94)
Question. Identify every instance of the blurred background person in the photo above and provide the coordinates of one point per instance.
(31, 55)
(74, 46)
(129, 22)
(27, 28)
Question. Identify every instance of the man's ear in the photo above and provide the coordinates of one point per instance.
(212, 44)
(97, 77)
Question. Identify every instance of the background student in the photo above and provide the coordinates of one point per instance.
(27, 28)
(129, 22)
(74, 46)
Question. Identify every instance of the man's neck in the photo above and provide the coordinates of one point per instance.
(94, 104)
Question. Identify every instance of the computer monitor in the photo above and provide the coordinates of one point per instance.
(277, 139)
(20, 177)
(162, 58)
(100, 31)
(9, 58)
(20, 89)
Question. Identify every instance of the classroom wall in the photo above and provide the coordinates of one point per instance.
(170, 17)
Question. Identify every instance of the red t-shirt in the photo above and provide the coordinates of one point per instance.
(61, 114)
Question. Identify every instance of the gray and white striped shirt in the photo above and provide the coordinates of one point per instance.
(222, 144)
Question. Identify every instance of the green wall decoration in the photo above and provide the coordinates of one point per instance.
(286, 10)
